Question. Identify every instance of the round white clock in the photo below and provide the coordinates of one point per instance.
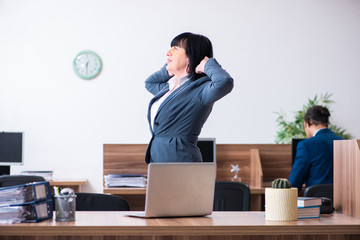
(87, 64)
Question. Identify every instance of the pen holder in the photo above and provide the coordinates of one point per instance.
(65, 207)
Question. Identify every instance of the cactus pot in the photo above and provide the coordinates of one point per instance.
(281, 204)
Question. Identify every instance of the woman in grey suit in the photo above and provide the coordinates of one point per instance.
(185, 90)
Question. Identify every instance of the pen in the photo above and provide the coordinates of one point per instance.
(56, 191)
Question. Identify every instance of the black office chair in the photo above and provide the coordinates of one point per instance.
(100, 202)
(231, 196)
(320, 190)
(13, 180)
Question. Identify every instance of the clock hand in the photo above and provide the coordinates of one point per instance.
(86, 65)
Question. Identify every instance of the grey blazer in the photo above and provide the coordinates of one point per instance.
(181, 116)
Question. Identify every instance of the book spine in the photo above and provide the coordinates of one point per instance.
(303, 216)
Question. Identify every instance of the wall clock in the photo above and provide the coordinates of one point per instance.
(87, 64)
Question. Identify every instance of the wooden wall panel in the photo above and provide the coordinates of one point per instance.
(227, 154)
(124, 159)
(256, 172)
(275, 160)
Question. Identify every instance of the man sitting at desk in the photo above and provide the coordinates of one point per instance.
(313, 162)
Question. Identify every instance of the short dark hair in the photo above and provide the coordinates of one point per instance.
(196, 48)
(317, 115)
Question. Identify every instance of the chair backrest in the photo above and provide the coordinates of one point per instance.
(231, 196)
(320, 190)
(100, 202)
(13, 180)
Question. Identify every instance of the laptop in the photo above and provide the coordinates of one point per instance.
(179, 190)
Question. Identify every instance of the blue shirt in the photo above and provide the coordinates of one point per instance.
(313, 163)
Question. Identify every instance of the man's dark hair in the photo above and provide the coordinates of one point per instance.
(196, 48)
(317, 115)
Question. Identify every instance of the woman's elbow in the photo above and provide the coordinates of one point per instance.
(229, 85)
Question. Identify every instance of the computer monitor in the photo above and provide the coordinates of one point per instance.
(294, 144)
(207, 148)
(11, 150)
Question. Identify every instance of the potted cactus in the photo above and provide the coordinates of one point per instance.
(281, 201)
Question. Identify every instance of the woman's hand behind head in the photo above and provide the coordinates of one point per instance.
(200, 68)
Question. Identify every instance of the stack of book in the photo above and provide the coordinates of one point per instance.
(125, 180)
(308, 207)
(26, 203)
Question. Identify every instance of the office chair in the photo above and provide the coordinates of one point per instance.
(320, 190)
(231, 196)
(100, 202)
(13, 180)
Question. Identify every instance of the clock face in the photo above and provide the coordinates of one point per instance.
(87, 64)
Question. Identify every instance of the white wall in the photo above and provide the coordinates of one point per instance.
(279, 52)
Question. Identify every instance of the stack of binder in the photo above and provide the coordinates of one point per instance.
(30, 202)
(125, 180)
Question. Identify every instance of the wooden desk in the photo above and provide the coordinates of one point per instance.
(220, 225)
(70, 183)
(136, 197)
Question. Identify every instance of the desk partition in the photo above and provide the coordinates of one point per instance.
(259, 164)
(347, 176)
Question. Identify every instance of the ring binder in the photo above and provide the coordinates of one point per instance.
(26, 193)
(27, 212)
(30, 202)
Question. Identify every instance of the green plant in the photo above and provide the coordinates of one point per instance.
(295, 129)
(281, 183)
